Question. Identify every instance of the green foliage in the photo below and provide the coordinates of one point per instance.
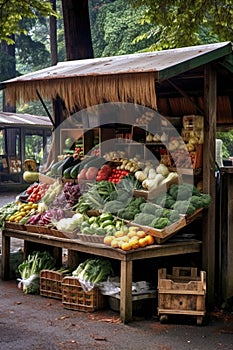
(14, 11)
(32, 50)
(115, 25)
(227, 139)
(184, 23)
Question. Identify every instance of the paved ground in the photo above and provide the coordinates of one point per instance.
(33, 322)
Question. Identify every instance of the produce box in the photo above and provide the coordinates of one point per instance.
(14, 226)
(42, 229)
(75, 298)
(90, 238)
(154, 193)
(182, 293)
(50, 284)
(162, 235)
(63, 234)
(48, 230)
(46, 179)
(190, 218)
(197, 160)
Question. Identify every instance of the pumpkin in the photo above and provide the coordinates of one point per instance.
(29, 165)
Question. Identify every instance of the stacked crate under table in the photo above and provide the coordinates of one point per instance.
(182, 293)
(55, 285)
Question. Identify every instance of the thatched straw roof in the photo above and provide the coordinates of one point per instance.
(127, 78)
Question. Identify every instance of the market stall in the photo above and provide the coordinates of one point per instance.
(176, 84)
(22, 136)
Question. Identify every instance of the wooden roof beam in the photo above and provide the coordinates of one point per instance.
(184, 94)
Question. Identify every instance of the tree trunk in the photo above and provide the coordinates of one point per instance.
(9, 70)
(77, 29)
(53, 35)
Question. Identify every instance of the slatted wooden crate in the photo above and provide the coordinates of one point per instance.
(75, 298)
(182, 293)
(50, 284)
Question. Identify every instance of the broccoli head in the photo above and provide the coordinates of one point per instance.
(206, 200)
(136, 202)
(196, 201)
(164, 200)
(148, 208)
(184, 207)
(160, 223)
(174, 216)
(184, 192)
(173, 191)
(143, 219)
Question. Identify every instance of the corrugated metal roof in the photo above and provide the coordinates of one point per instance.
(175, 61)
(87, 82)
(17, 119)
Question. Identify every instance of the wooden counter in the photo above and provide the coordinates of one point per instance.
(126, 258)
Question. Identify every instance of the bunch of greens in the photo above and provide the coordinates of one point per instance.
(30, 269)
(93, 270)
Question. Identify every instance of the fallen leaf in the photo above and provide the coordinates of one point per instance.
(100, 338)
(62, 317)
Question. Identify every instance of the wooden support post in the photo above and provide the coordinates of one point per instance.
(5, 257)
(209, 182)
(126, 291)
(225, 243)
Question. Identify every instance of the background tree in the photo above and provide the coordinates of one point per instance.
(77, 29)
(12, 12)
(180, 23)
(114, 26)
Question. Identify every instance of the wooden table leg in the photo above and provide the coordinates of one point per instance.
(6, 243)
(126, 291)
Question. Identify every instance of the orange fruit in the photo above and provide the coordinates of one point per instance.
(108, 240)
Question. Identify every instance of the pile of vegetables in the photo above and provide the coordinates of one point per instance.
(131, 165)
(128, 238)
(23, 212)
(93, 271)
(117, 175)
(8, 210)
(96, 196)
(104, 173)
(69, 224)
(131, 208)
(151, 177)
(184, 198)
(36, 191)
(68, 196)
(52, 192)
(30, 271)
(157, 218)
(104, 224)
(102, 195)
(48, 216)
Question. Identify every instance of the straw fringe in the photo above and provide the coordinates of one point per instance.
(81, 92)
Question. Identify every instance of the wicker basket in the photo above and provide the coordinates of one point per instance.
(75, 298)
(50, 284)
(63, 234)
(91, 238)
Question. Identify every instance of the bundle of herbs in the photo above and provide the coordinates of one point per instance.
(30, 269)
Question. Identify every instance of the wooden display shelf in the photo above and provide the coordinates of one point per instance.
(126, 258)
